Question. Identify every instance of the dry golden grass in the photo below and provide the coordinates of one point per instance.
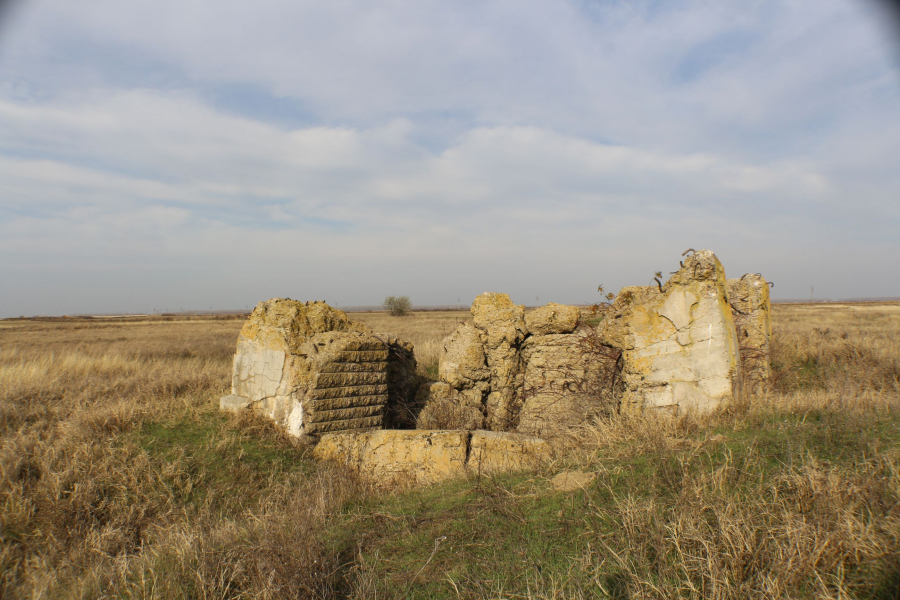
(426, 330)
(118, 478)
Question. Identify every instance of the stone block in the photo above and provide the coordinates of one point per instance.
(388, 456)
(552, 318)
(233, 403)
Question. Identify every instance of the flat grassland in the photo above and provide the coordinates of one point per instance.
(119, 478)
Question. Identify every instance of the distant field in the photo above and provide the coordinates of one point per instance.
(119, 478)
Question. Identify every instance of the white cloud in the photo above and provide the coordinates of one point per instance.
(451, 147)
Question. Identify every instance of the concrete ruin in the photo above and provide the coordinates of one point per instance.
(312, 370)
(509, 372)
(672, 345)
(751, 307)
(507, 378)
(678, 340)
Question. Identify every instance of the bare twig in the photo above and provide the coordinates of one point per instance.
(437, 544)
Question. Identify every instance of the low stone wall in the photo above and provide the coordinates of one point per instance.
(389, 456)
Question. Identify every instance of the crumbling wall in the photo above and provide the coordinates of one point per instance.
(751, 307)
(501, 325)
(569, 379)
(678, 340)
(690, 343)
(312, 370)
(536, 374)
(672, 345)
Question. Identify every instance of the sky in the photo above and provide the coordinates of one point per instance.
(200, 154)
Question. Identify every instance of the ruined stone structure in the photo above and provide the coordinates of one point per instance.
(312, 370)
(506, 379)
(678, 340)
(749, 299)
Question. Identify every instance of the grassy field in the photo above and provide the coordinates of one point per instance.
(120, 479)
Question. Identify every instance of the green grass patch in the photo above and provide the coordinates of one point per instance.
(513, 534)
(204, 460)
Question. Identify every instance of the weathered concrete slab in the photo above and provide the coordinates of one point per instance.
(678, 340)
(386, 456)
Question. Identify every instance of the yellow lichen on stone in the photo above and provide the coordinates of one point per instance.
(386, 456)
(285, 322)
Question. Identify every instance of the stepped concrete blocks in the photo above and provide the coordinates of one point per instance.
(312, 370)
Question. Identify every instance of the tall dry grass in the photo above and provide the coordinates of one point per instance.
(118, 478)
(89, 509)
(791, 493)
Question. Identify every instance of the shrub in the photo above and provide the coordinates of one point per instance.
(398, 306)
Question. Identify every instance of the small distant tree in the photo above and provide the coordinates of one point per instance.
(398, 306)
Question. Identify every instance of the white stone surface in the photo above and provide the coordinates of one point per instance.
(257, 371)
(233, 403)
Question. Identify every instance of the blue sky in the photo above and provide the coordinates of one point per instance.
(195, 154)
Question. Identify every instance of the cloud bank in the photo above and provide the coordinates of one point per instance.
(198, 154)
